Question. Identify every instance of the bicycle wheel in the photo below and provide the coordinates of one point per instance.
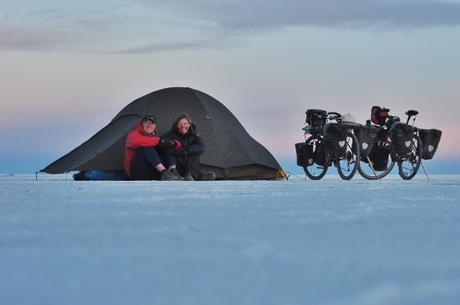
(410, 163)
(347, 163)
(373, 171)
(316, 171)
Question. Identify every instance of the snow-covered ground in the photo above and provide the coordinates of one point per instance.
(288, 242)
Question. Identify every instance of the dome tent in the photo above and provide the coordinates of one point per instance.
(230, 151)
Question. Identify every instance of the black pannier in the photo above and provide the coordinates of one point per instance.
(379, 115)
(315, 117)
(430, 141)
(367, 136)
(379, 157)
(304, 154)
(321, 156)
(335, 136)
(402, 137)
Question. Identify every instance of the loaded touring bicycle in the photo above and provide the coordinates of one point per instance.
(386, 141)
(373, 149)
(329, 141)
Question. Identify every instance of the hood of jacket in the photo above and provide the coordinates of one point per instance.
(190, 132)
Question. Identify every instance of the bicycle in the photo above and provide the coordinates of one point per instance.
(375, 145)
(407, 146)
(389, 142)
(328, 143)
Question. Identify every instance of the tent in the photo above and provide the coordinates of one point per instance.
(230, 151)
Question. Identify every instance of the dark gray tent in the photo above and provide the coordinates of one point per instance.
(230, 151)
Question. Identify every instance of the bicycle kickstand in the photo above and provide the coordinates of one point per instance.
(424, 169)
(372, 167)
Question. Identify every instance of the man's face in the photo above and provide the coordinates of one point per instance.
(149, 126)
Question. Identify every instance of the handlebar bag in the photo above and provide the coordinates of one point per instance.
(316, 117)
(430, 141)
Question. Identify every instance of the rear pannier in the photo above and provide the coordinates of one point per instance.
(430, 141)
(379, 157)
(304, 154)
(335, 136)
(367, 136)
(402, 137)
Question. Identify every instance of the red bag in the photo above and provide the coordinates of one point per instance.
(379, 115)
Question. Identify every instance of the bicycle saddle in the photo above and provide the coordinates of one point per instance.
(411, 112)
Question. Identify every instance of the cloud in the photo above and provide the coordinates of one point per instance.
(57, 28)
(167, 46)
(18, 38)
(241, 14)
(129, 28)
(231, 20)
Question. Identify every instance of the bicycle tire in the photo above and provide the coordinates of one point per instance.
(417, 155)
(354, 151)
(310, 171)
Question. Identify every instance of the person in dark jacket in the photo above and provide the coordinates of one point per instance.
(143, 153)
(187, 157)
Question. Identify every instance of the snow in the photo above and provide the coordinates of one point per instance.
(328, 242)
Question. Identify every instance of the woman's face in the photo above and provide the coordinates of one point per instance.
(149, 126)
(183, 126)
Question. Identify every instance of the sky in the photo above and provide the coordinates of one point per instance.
(66, 69)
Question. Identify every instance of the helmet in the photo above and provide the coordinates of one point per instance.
(348, 118)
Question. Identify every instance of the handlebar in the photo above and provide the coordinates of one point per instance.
(334, 116)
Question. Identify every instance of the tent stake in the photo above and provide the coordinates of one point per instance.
(297, 176)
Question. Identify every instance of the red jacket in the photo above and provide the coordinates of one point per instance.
(136, 139)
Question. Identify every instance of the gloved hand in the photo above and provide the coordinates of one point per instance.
(182, 153)
(178, 144)
(167, 144)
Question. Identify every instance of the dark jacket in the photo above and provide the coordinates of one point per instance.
(190, 142)
(137, 138)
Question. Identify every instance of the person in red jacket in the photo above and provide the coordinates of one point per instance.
(143, 153)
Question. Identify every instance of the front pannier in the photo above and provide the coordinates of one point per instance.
(430, 141)
(367, 136)
(402, 137)
(304, 154)
(379, 157)
(335, 136)
(321, 156)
